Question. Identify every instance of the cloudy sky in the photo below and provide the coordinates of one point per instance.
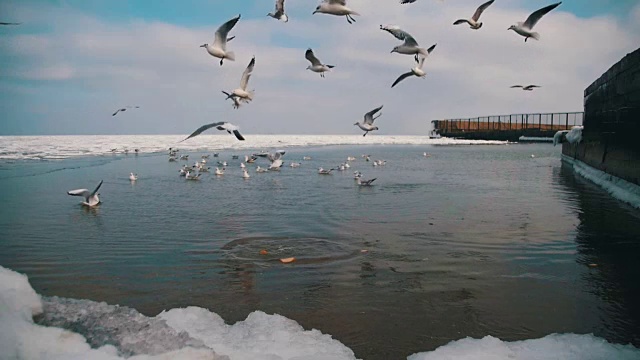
(73, 62)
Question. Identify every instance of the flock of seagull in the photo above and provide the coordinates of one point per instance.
(242, 95)
(410, 46)
(194, 171)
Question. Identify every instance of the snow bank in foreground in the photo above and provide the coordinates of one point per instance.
(551, 347)
(110, 332)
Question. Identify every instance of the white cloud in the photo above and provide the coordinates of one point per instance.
(161, 67)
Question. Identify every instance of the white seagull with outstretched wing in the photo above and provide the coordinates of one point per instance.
(219, 47)
(526, 28)
(90, 197)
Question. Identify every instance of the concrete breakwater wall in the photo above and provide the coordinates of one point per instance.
(611, 135)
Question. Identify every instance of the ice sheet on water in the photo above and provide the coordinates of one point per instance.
(99, 331)
(61, 147)
(129, 331)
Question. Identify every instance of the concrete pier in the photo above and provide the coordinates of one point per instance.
(611, 134)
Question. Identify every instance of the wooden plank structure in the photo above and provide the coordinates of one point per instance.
(508, 127)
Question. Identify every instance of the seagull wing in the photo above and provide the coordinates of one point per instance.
(279, 6)
(312, 58)
(238, 135)
(97, 188)
(461, 21)
(247, 74)
(202, 129)
(516, 86)
(368, 117)
(402, 77)
(529, 87)
(400, 34)
(423, 58)
(80, 192)
(533, 19)
(429, 50)
(407, 1)
(481, 8)
(231, 129)
(9, 23)
(223, 31)
(119, 110)
(337, 2)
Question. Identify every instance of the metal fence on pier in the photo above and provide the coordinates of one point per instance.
(524, 122)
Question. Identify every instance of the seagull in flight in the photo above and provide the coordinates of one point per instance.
(526, 28)
(219, 47)
(236, 100)
(473, 22)
(410, 46)
(242, 92)
(367, 124)
(9, 23)
(336, 7)
(90, 197)
(416, 71)
(316, 65)
(223, 126)
(124, 109)
(279, 13)
(526, 88)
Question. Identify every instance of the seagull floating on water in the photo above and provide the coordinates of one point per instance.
(410, 46)
(133, 177)
(223, 126)
(526, 88)
(473, 22)
(90, 197)
(336, 7)
(242, 92)
(322, 171)
(190, 176)
(316, 65)
(367, 124)
(219, 171)
(219, 47)
(279, 13)
(362, 182)
(124, 109)
(245, 174)
(526, 28)
(416, 71)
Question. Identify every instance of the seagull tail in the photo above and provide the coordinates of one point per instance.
(331, 66)
(535, 35)
(230, 55)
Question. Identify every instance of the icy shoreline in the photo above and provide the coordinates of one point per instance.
(618, 188)
(62, 147)
(111, 332)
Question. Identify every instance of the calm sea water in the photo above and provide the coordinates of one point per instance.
(472, 241)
